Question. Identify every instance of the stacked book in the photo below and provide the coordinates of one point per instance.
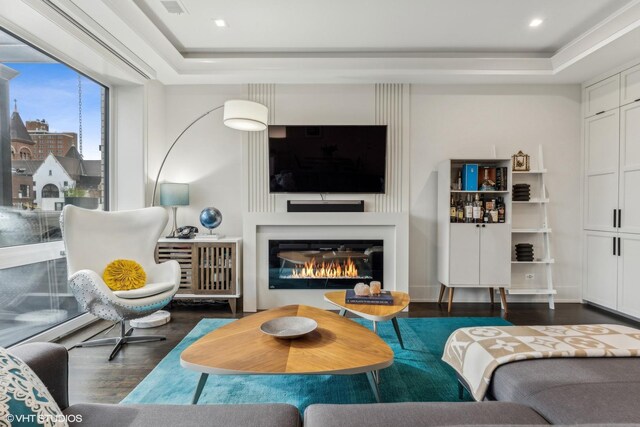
(385, 298)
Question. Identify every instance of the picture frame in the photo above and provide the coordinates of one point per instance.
(520, 161)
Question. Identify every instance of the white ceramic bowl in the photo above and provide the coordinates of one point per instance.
(289, 327)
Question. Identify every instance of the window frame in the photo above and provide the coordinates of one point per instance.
(16, 256)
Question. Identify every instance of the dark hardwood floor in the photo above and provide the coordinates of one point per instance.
(93, 379)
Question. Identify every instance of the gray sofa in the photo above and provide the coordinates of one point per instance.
(531, 392)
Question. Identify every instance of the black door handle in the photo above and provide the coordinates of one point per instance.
(619, 251)
(483, 225)
(619, 218)
(615, 224)
(614, 246)
(478, 225)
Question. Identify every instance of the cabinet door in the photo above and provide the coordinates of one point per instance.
(602, 96)
(464, 256)
(628, 274)
(629, 195)
(630, 85)
(495, 255)
(601, 269)
(601, 169)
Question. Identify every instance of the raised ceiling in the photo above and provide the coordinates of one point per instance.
(366, 41)
(470, 26)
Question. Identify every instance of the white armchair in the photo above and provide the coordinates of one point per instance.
(92, 240)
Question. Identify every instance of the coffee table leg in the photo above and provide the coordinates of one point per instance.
(374, 386)
(199, 387)
(397, 328)
(342, 312)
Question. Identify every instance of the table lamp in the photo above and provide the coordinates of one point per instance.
(174, 195)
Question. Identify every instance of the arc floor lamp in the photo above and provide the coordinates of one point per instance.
(238, 114)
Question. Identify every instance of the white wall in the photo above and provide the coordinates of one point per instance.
(465, 121)
(208, 157)
(446, 121)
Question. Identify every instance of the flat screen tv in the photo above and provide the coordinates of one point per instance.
(327, 159)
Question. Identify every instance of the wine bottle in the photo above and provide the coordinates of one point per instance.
(468, 210)
(501, 211)
(477, 209)
(460, 211)
(453, 214)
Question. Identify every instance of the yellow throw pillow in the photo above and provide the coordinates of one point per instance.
(124, 275)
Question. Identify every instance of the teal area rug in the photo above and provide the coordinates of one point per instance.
(417, 374)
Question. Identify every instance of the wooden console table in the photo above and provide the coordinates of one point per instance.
(210, 268)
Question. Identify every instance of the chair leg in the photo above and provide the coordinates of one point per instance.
(492, 296)
(124, 338)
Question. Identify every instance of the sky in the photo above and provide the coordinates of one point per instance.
(50, 91)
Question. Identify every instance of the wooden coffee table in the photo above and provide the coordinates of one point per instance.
(337, 347)
(373, 312)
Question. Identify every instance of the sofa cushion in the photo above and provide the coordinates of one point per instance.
(25, 400)
(100, 415)
(578, 390)
(420, 414)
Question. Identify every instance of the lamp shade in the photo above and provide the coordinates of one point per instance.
(172, 194)
(245, 115)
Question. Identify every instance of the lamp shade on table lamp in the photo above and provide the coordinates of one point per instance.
(174, 194)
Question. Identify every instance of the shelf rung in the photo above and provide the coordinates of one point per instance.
(532, 201)
(541, 261)
(531, 230)
(529, 172)
(531, 291)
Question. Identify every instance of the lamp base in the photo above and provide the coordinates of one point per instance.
(174, 230)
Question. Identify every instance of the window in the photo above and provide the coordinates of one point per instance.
(34, 293)
(50, 191)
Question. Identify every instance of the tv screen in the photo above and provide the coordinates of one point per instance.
(327, 159)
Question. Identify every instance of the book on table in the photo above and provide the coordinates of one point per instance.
(385, 298)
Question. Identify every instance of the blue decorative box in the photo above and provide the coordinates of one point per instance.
(470, 177)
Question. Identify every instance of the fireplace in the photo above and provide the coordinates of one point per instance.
(324, 264)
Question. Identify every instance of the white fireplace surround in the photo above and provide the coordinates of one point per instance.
(259, 228)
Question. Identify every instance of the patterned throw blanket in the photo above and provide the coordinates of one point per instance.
(476, 352)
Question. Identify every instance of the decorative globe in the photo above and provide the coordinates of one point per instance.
(210, 218)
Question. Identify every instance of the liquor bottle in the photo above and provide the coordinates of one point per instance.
(485, 217)
(459, 180)
(477, 209)
(453, 214)
(487, 184)
(468, 210)
(502, 217)
(460, 211)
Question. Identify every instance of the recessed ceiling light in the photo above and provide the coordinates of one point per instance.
(220, 23)
(535, 22)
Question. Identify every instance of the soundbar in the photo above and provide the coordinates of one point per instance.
(325, 205)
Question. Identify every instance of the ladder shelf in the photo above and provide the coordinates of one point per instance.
(546, 261)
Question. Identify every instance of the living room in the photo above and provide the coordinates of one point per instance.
(337, 214)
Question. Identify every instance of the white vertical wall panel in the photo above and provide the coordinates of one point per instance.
(258, 197)
(392, 109)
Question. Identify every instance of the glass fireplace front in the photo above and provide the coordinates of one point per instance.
(324, 264)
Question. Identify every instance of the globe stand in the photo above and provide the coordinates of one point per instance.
(210, 218)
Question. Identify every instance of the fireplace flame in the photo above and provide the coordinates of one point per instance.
(326, 270)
